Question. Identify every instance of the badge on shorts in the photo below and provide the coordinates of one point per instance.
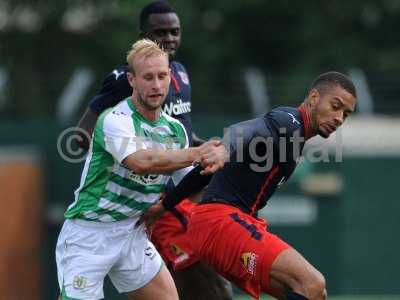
(79, 282)
(179, 253)
(249, 262)
(177, 250)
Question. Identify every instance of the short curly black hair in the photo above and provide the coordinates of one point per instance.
(156, 7)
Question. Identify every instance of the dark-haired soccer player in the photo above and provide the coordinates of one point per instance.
(160, 22)
(263, 152)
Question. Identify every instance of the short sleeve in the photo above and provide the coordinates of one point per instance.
(118, 135)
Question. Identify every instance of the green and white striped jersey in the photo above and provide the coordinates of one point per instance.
(109, 191)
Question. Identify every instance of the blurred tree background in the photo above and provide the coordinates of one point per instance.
(43, 42)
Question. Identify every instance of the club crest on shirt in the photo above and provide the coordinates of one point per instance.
(184, 77)
(79, 282)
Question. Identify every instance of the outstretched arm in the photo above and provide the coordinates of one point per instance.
(152, 161)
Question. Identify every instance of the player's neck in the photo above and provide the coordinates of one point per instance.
(306, 114)
(151, 115)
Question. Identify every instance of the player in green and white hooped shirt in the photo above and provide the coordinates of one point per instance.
(109, 190)
(135, 147)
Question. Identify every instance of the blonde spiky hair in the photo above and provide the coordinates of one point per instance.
(143, 49)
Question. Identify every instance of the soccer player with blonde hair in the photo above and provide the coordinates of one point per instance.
(136, 148)
(159, 21)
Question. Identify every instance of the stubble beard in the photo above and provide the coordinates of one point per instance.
(146, 104)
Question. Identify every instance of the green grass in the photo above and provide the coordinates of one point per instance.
(335, 298)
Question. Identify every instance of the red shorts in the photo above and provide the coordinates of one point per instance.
(236, 244)
(170, 237)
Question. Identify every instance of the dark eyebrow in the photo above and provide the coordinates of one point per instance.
(342, 103)
(338, 99)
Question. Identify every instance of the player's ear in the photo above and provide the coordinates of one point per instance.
(131, 79)
(313, 97)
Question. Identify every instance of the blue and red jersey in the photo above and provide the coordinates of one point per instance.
(263, 154)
